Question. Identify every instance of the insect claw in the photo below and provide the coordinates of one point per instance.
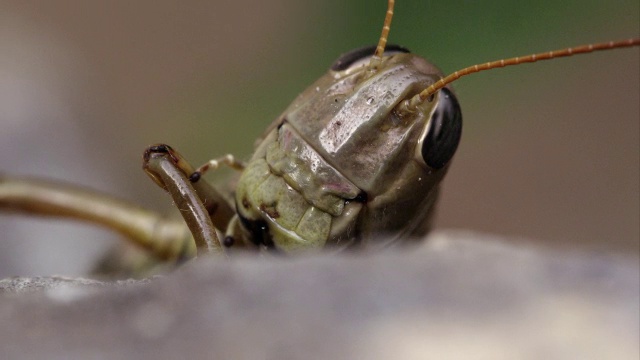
(228, 241)
(195, 176)
(160, 148)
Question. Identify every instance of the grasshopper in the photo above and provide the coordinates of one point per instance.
(355, 161)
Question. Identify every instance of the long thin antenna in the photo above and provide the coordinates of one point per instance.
(376, 59)
(412, 104)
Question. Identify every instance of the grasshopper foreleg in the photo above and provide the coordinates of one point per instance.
(213, 164)
(171, 172)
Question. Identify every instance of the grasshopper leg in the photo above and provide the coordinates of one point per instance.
(213, 164)
(166, 239)
(204, 208)
(170, 171)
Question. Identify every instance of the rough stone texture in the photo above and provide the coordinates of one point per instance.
(461, 295)
(59, 284)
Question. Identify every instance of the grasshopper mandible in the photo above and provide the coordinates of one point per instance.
(313, 193)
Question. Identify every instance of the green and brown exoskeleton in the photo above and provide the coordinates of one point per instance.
(355, 161)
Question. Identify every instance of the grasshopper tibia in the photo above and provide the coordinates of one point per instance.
(169, 170)
(166, 239)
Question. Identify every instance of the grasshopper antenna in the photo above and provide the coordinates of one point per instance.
(411, 105)
(376, 59)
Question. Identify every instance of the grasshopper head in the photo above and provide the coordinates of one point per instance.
(397, 159)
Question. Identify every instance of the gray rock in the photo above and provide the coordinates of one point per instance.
(460, 295)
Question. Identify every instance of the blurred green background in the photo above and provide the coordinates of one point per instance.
(550, 151)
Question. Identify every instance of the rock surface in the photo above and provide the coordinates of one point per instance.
(460, 295)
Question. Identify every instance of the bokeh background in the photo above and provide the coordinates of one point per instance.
(550, 151)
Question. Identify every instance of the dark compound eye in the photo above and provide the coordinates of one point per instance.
(445, 129)
(346, 60)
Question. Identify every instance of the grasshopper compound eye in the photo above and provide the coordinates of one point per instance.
(442, 135)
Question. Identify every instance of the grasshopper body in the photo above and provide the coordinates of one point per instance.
(398, 230)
